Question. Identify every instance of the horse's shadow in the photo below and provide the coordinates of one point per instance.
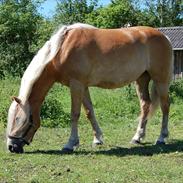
(145, 150)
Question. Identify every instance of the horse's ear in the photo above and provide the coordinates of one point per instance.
(16, 99)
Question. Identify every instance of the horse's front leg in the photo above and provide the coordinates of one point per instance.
(77, 93)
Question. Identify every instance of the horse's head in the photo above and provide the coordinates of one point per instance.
(20, 128)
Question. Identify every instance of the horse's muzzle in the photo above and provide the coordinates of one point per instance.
(15, 146)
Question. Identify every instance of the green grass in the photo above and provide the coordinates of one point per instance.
(115, 161)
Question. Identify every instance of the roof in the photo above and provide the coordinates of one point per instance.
(175, 34)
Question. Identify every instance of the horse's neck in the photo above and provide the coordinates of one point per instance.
(40, 88)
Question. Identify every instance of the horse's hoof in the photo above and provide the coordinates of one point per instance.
(160, 142)
(67, 150)
(133, 141)
(95, 144)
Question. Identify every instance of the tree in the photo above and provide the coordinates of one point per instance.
(156, 13)
(115, 15)
(72, 11)
(18, 32)
(163, 13)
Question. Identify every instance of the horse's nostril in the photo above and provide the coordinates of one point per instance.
(10, 147)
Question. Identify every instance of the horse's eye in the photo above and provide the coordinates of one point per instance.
(17, 119)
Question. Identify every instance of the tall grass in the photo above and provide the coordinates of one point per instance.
(119, 104)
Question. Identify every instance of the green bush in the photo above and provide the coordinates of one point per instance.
(52, 113)
(176, 90)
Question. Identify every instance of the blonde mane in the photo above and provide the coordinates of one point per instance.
(43, 57)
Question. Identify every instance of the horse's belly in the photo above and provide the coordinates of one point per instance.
(114, 77)
(110, 82)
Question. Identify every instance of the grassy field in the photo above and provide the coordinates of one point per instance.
(115, 161)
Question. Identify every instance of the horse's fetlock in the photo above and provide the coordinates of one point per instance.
(165, 134)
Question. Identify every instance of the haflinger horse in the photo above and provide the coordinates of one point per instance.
(80, 56)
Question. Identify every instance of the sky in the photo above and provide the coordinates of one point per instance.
(47, 9)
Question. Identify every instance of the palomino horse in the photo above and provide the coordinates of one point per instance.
(80, 56)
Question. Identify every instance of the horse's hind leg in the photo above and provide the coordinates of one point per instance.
(77, 94)
(87, 103)
(162, 89)
(143, 94)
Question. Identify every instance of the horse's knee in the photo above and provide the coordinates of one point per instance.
(75, 116)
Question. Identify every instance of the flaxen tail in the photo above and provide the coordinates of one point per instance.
(154, 100)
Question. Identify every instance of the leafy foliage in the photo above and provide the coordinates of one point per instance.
(53, 114)
(18, 33)
(116, 15)
(72, 11)
(161, 13)
(152, 13)
(176, 90)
